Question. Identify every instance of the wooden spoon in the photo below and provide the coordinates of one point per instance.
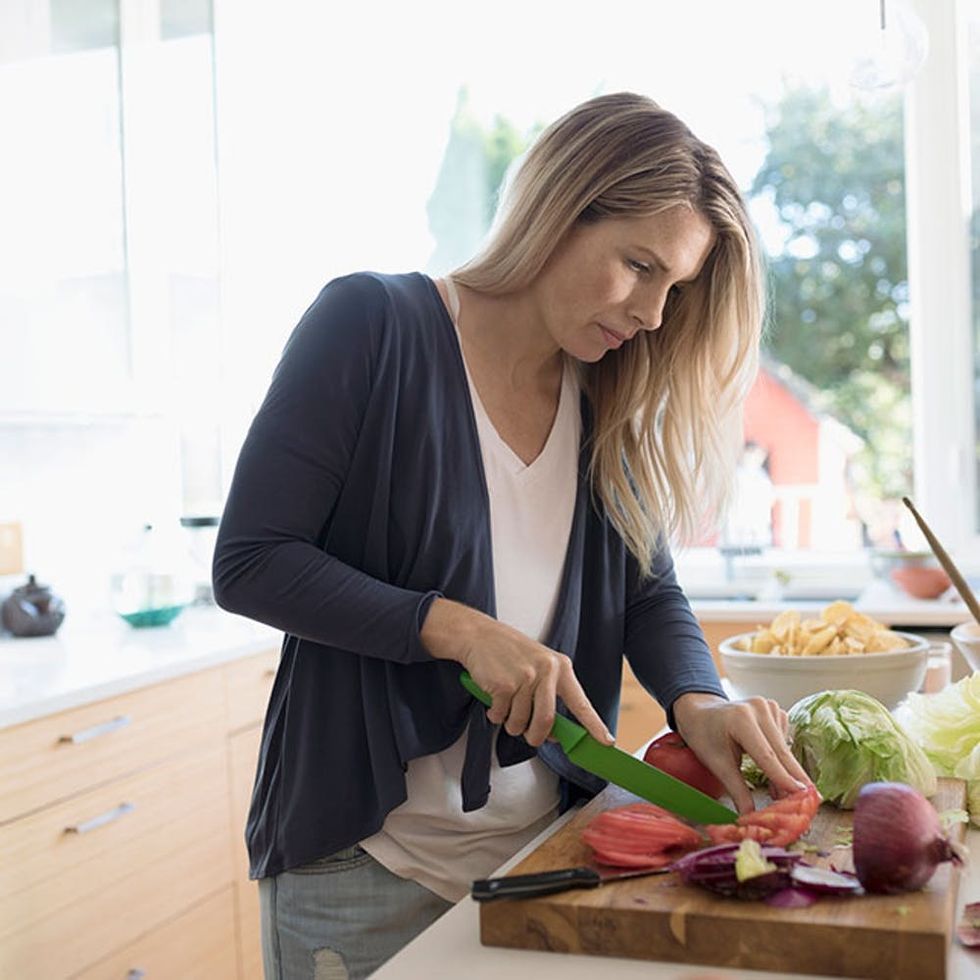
(951, 570)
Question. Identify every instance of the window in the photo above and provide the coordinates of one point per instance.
(388, 155)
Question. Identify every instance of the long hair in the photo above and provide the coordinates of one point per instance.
(667, 405)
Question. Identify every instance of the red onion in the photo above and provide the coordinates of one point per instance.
(898, 839)
(791, 898)
(714, 868)
(823, 881)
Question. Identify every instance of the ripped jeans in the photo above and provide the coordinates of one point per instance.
(340, 918)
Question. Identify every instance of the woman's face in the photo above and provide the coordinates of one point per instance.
(610, 279)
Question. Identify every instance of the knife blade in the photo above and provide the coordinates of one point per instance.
(549, 882)
(619, 767)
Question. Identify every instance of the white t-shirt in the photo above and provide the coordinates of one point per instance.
(429, 838)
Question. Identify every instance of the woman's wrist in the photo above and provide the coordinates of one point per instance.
(448, 629)
(687, 705)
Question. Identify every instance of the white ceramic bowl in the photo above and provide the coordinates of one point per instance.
(885, 676)
(966, 636)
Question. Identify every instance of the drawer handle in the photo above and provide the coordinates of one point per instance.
(136, 974)
(93, 823)
(103, 728)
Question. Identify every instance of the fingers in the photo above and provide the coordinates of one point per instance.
(765, 742)
(523, 679)
(575, 700)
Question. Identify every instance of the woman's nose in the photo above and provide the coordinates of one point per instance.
(647, 311)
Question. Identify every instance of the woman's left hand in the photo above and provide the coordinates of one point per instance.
(720, 731)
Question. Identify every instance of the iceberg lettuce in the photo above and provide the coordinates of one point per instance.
(946, 725)
(845, 739)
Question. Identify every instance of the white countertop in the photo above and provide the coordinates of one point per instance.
(102, 656)
(879, 600)
(450, 948)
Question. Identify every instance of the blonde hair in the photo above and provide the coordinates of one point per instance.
(667, 405)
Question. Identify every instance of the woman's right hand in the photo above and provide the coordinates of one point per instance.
(522, 677)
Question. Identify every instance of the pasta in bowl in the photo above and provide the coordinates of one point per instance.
(838, 649)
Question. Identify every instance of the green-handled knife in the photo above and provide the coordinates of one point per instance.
(619, 767)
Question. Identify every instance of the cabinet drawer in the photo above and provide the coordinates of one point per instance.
(249, 930)
(243, 753)
(93, 873)
(60, 755)
(248, 683)
(198, 945)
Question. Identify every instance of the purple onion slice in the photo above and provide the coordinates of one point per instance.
(824, 881)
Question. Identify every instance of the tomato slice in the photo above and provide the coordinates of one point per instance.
(782, 822)
(638, 835)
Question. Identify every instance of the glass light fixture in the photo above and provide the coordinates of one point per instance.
(892, 50)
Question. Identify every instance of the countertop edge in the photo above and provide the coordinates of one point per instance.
(79, 697)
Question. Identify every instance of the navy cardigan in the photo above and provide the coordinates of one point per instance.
(359, 496)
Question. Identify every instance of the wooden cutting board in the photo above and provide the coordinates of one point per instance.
(904, 937)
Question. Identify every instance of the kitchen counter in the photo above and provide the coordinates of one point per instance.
(450, 948)
(101, 656)
(878, 600)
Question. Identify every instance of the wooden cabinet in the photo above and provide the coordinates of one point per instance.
(194, 946)
(121, 833)
(247, 687)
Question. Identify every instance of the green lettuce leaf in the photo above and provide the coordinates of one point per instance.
(946, 725)
(845, 739)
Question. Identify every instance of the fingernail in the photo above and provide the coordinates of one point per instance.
(610, 738)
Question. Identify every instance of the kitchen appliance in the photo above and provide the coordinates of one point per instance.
(32, 610)
(201, 532)
(625, 770)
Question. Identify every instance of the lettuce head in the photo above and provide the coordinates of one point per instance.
(845, 739)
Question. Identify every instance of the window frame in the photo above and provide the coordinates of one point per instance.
(939, 201)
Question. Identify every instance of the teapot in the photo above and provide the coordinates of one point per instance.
(32, 610)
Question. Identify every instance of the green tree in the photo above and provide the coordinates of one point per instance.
(464, 200)
(839, 291)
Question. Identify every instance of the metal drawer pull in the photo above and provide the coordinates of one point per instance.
(103, 728)
(136, 974)
(101, 820)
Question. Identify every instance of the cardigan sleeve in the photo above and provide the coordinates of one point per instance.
(664, 642)
(269, 563)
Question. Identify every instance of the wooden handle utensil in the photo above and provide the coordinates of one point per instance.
(951, 570)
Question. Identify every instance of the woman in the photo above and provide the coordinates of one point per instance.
(482, 473)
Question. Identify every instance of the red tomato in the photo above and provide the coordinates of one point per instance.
(638, 835)
(780, 823)
(671, 754)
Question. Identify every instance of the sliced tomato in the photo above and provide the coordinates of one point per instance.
(782, 822)
(621, 859)
(639, 835)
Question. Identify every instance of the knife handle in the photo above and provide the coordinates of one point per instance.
(541, 883)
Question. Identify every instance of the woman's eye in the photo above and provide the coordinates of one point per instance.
(638, 266)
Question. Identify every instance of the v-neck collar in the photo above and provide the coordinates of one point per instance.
(514, 463)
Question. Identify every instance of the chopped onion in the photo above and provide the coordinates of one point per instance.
(968, 929)
(714, 868)
(823, 881)
(791, 898)
(898, 839)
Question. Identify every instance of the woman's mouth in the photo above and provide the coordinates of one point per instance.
(613, 339)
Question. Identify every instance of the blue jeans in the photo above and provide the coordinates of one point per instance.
(340, 918)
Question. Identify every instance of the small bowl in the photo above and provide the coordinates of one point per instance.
(966, 636)
(921, 581)
(160, 616)
(888, 676)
